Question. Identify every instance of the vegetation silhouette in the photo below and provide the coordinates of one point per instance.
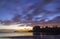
(47, 30)
(36, 30)
(51, 31)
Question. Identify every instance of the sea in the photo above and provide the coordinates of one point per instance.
(27, 35)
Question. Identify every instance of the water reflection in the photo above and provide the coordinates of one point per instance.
(33, 35)
(36, 35)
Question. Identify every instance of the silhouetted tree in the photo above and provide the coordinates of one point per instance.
(36, 28)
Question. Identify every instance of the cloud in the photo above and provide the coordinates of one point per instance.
(16, 18)
(56, 19)
(46, 8)
(32, 10)
(46, 2)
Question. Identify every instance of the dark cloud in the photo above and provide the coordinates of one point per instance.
(36, 12)
(46, 2)
(28, 18)
(29, 7)
(56, 19)
(58, 9)
(16, 18)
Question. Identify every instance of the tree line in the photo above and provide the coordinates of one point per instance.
(47, 30)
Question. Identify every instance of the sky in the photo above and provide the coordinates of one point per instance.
(30, 10)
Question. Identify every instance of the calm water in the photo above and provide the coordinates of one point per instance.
(27, 35)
